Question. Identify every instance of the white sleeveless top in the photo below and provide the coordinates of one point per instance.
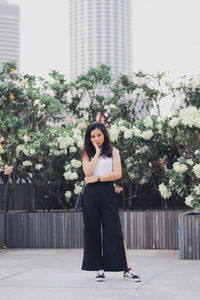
(103, 166)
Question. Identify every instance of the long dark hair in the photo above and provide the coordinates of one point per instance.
(89, 148)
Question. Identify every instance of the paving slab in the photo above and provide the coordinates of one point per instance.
(47, 274)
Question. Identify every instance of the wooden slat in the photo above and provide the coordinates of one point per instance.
(2, 230)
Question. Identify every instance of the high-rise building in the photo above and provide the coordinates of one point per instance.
(101, 33)
(9, 32)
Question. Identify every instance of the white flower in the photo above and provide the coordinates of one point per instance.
(19, 148)
(68, 194)
(143, 180)
(142, 150)
(37, 102)
(173, 122)
(147, 135)
(197, 152)
(190, 162)
(188, 200)
(190, 116)
(26, 152)
(159, 127)
(56, 152)
(136, 131)
(67, 167)
(27, 163)
(120, 123)
(148, 122)
(76, 163)
(165, 193)
(122, 128)
(114, 133)
(51, 92)
(1, 139)
(196, 170)
(132, 175)
(128, 162)
(76, 131)
(74, 176)
(64, 142)
(38, 166)
(77, 189)
(2, 151)
(72, 149)
(67, 175)
(26, 138)
(197, 189)
(70, 175)
(32, 151)
(159, 119)
(128, 134)
(8, 169)
(129, 165)
(179, 168)
(79, 141)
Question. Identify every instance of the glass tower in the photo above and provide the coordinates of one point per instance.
(9, 32)
(101, 33)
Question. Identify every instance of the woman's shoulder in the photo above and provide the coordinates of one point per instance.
(115, 150)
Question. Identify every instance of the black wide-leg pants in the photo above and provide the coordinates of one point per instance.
(103, 249)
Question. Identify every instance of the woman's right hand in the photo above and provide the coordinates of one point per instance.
(98, 151)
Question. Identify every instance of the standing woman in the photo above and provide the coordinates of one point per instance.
(101, 166)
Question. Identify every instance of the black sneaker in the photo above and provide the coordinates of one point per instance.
(100, 276)
(131, 277)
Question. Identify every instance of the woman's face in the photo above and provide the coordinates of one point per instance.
(97, 137)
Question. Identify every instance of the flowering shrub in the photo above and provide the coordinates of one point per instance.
(51, 156)
(141, 148)
(42, 129)
(183, 178)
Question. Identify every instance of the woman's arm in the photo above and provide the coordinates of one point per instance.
(88, 166)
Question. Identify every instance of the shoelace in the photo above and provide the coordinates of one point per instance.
(129, 274)
(100, 272)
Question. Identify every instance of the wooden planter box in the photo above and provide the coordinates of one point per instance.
(149, 229)
(189, 235)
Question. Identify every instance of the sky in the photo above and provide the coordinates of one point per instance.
(166, 36)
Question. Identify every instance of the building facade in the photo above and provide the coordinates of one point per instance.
(9, 32)
(101, 33)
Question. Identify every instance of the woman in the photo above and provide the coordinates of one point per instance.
(101, 166)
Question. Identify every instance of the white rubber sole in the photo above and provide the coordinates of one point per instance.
(100, 279)
(131, 279)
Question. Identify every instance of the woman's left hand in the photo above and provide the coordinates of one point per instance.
(118, 189)
(90, 179)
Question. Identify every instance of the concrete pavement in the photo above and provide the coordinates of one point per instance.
(35, 274)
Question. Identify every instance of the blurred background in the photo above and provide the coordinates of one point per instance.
(165, 35)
